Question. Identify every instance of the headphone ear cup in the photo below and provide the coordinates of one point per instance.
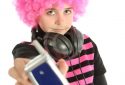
(76, 39)
(57, 45)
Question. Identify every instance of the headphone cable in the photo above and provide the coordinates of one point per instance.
(79, 59)
(73, 70)
(81, 70)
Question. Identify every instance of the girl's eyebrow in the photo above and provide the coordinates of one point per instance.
(55, 8)
(69, 8)
(50, 9)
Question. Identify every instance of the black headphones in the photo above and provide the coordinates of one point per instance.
(58, 45)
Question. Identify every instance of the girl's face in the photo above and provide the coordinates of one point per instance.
(56, 19)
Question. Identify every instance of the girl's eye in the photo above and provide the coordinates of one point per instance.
(68, 11)
(51, 12)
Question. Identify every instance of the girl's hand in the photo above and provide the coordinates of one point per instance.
(17, 71)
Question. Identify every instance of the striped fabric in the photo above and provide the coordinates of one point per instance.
(81, 69)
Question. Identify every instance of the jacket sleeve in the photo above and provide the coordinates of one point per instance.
(100, 80)
(99, 68)
(24, 50)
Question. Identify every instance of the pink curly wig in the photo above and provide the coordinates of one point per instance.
(29, 10)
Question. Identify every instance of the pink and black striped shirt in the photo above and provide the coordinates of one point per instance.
(81, 68)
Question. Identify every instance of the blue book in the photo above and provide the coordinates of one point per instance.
(42, 70)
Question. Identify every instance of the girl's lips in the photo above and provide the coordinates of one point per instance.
(60, 31)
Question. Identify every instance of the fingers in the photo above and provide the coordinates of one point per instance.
(63, 67)
(13, 73)
(19, 64)
(24, 80)
(17, 72)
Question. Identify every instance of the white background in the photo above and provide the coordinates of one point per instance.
(104, 22)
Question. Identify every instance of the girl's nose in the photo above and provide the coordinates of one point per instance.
(60, 19)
